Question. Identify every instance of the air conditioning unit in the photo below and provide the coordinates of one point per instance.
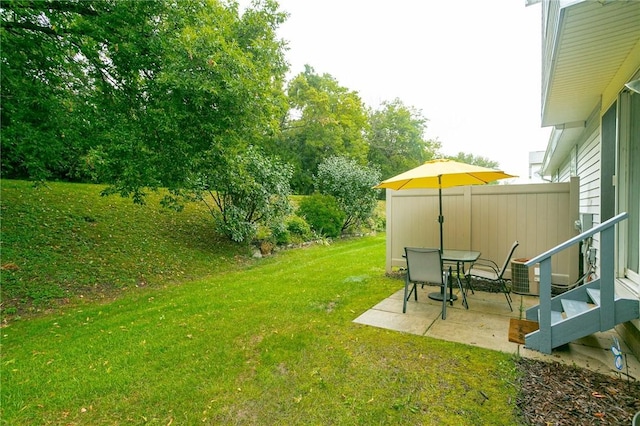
(524, 280)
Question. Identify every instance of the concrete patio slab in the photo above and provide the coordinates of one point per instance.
(486, 324)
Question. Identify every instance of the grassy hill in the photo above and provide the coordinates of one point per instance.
(62, 241)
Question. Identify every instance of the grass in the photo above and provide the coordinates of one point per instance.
(64, 241)
(268, 341)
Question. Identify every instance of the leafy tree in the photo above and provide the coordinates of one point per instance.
(135, 91)
(242, 191)
(352, 187)
(216, 88)
(475, 160)
(55, 57)
(326, 120)
(396, 139)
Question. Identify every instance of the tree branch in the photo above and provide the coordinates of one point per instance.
(60, 6)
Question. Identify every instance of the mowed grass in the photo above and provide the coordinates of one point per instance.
(267, 341)
(65, 241)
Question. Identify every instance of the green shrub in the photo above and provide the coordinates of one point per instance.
(298, 229)
(323, 214)
(280, 233)
(352, 186)
(244, 191)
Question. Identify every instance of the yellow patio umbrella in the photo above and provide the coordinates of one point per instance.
(442, 173)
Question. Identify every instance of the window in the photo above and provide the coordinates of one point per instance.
(629, 179)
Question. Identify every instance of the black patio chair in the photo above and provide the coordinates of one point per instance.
(489, 271)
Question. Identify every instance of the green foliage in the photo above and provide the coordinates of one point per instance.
(352, 187)
(475, 160)
(243, 191)
(298, 229)
(59, 60)
(134, 93)
(218, 87)
(322, 213)
(325, 120)
(378, 221)
(396, 139)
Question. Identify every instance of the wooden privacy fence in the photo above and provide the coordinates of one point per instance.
(487, 218)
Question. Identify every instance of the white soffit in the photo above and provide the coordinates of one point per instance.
(594, 40)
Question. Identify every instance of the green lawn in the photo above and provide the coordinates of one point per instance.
(267, 341)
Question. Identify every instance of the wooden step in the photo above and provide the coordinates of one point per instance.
(574, 307)
(594, 294)
(556, 316)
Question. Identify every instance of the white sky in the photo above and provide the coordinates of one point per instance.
(471, 66)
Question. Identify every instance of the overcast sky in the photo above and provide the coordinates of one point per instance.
(471, 66)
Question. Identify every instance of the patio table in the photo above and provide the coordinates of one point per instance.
(459, 257)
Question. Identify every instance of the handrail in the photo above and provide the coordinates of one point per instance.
(586, 234)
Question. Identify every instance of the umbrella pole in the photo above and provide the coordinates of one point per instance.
(440, 217)
(441, 295)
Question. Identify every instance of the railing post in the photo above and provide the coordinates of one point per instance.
(545, 306)
(607, 279)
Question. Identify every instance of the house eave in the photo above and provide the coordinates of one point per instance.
(561, 141)
(591, 49)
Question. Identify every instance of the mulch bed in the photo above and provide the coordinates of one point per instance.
(557, 394)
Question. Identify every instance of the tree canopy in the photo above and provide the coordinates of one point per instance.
(476, 160)
(325, 120)
(57, 59)
(143, 88)
(147, 94)
(396, 138)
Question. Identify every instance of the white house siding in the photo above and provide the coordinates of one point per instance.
(587, 169)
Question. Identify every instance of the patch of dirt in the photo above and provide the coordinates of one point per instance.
(557, 394)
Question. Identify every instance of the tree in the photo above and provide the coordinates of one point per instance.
(216, 88)
(242, 191)
(55, 56)
(396, 138)
(326, 120)
(136, 91)
(351, 185)
(475, 160)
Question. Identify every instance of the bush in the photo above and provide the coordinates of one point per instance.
(244, 192)
(298, 229)
(323, 214)
(351, 185)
